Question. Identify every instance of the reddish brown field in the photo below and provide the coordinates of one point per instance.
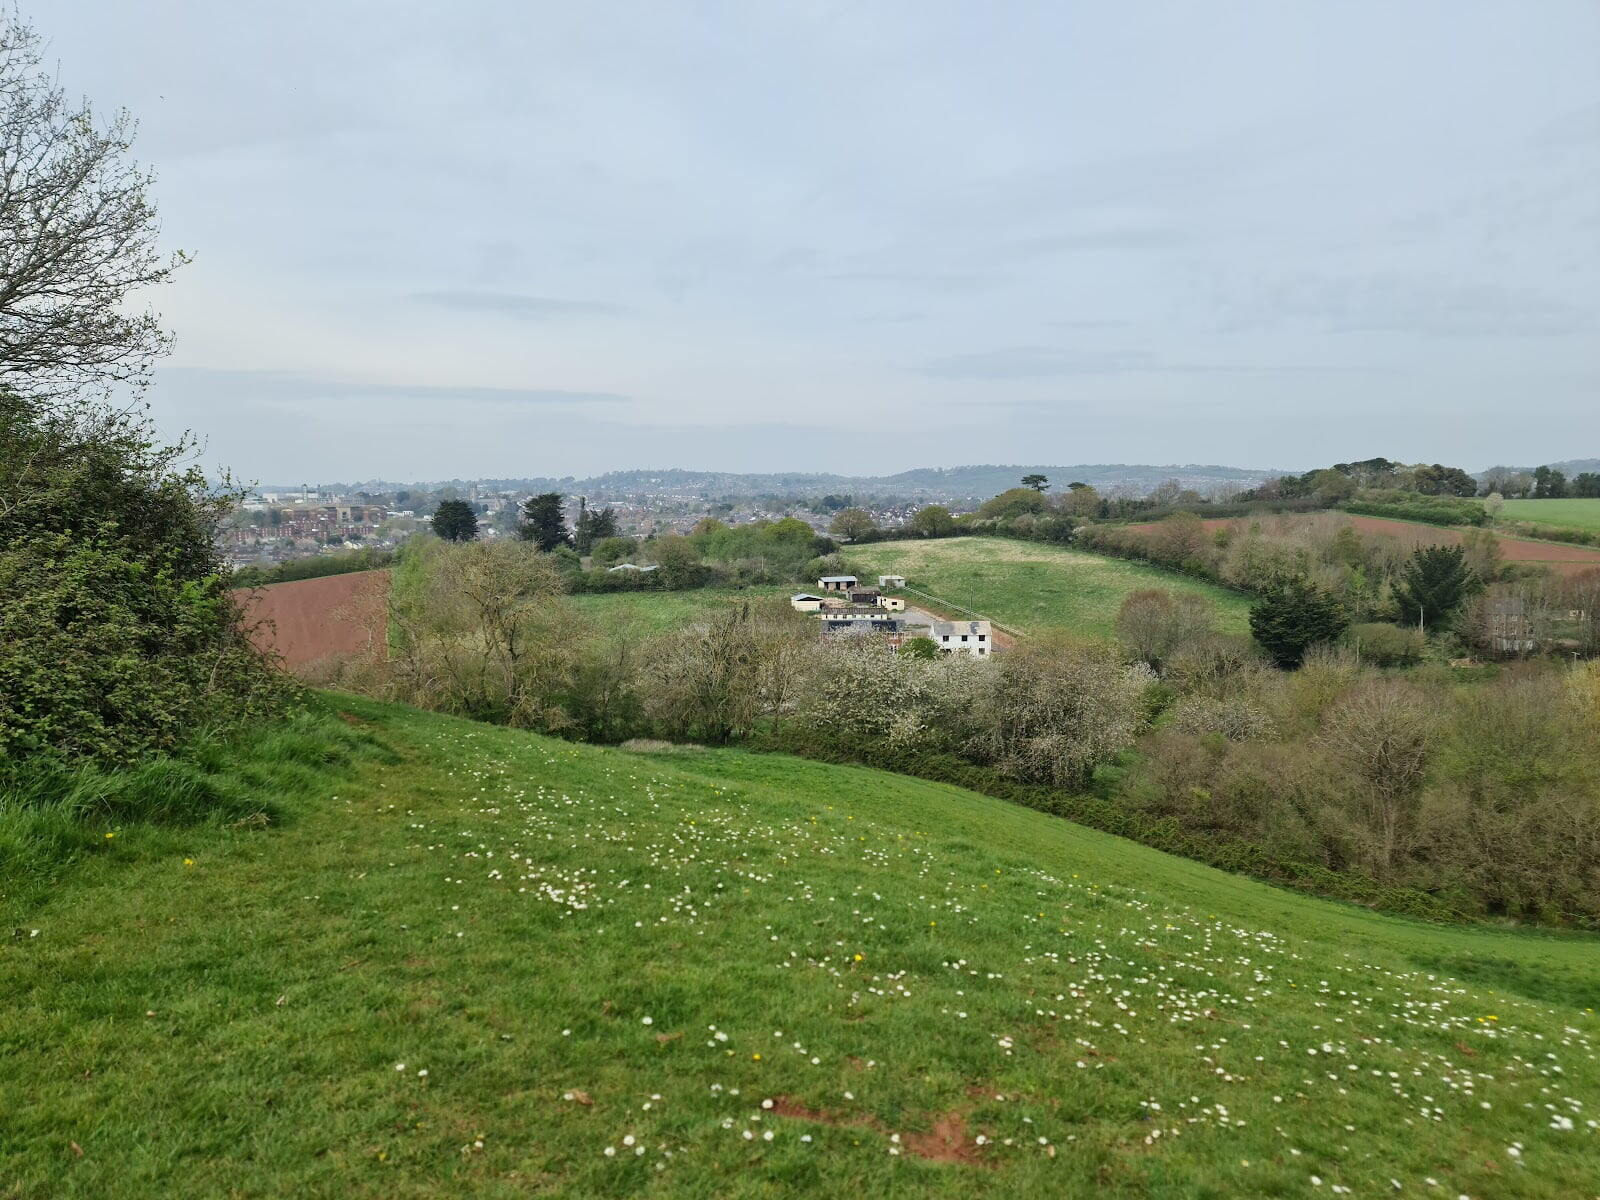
(1567, 560)
(310, 621)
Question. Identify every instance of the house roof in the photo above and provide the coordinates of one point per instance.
(804, 596)
(940, 628)
(837, 579)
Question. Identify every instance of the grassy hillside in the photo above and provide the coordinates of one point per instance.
(1573, 514)
(486, 963)
(1031, 586)
(653, 612)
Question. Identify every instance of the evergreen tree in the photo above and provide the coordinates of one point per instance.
(602, 524)
(455, 521)
(1434, 584)
(1292, 616)
(543, 522)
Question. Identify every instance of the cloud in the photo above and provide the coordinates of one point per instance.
(1415, 306)
(190, 384)
(1042, 362)
(516, 305)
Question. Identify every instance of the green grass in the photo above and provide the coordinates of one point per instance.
(655, 612)
(394, 991)
(1033, 587)
(1573, 514)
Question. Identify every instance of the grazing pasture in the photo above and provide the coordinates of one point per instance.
(1573, 514)
(1031, 586)
(648, 612)
(487, 963)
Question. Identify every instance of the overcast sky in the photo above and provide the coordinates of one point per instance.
(521, 238)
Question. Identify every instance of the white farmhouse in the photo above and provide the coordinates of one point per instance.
(963, 637)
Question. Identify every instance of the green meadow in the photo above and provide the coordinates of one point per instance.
(1033, 587)
(650, 612)
(1573, 514)
(450, 959)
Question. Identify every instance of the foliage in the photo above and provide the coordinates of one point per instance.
(454, 521)
(1434, 584)
(1293, 615)
(1153, 624)
(715, 681)
(480, 629)
(117, 636)
(1385, 645)
(1411, 506)
(1014, 502)
(78, 237)
(543, 522)
(932, 521)
(365, 559)
(852, 524)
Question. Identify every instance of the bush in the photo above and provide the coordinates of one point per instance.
(1385, 645)
(117, 636)
(1413, 506)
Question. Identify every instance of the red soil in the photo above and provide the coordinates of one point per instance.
(1567, 560)
(310, 621)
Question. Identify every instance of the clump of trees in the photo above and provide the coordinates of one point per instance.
(118, 637)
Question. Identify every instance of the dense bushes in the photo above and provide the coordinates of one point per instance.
(1413, 506)
(366, 559)
(117, 636)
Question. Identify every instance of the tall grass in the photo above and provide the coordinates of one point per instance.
(53, 812)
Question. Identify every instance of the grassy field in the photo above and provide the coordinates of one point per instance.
(477, 962)
(1032, 587)
(653, 612)
(1574, 514)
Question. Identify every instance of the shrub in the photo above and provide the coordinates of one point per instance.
(1291, 617)
(1385, 645)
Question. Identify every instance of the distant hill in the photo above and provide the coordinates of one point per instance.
(1569, 467)
(923, 483)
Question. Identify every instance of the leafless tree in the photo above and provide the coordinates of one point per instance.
(1384, 733)
(78, 236)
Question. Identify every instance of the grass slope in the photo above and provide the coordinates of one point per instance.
(1033, 587)
(656, 612)
(1573, 514)
(487, 963)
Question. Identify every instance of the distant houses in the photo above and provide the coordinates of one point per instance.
(842, 606)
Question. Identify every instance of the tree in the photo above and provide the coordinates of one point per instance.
(852, 524)
(679, 560)
(603, 524)
(933, 521)
(77, 236)
(1291, 616)
(920, 647)
(1384, 734)
(1081, 502)
(455, 521)
(582, 534)
(1153, 625)
(1586, 485)
(543, 522)
(608, 552)
(1494, 503)
(1037, 482)
(1549, 484)
(1013, 502)
(1435, 581)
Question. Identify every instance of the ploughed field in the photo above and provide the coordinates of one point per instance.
(478, 962)
(1032, 587)
(1555, 555)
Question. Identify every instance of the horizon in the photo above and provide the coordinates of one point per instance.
(540, 241)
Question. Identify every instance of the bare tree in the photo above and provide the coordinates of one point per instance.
(1384, 733)
(77, 236)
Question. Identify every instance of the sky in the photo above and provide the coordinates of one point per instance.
(504, 239)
